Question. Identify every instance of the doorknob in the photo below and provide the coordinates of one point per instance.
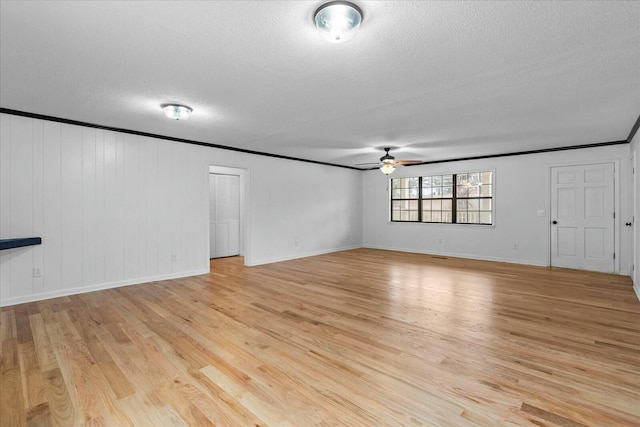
(554, 222)
(628, 224)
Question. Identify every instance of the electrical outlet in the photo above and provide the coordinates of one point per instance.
(37, 272)
(541, 213)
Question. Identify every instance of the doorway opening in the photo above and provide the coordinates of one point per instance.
(228, 207)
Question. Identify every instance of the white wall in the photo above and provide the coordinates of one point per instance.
(115, 209)
(635, 148)
(300, 209)
(521, 189)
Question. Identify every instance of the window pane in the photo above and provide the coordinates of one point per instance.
(485, 204)
(413, 205)
(446, 205)
(473, 218)
(473, 178)
(426, 216)
(436, 217)
(447, 180)
(413, 215)
(426, 181)
(446, 216)
(485, 217)
(404, 188)
(436, 205)
(486, 177)
(436, 180)
(447, 191)
(473, 204)
(486, 190)
(396, 205)
(461, 217)
(462, 191)
(461, 205)
(404, 216)
(462, 179)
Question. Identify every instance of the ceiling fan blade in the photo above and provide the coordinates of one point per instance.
(367, 164)
(408, 162)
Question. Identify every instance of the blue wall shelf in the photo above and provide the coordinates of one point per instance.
(18, 243)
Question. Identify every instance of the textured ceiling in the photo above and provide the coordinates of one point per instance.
(436, 80)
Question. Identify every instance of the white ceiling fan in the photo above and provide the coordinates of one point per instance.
(388, 163)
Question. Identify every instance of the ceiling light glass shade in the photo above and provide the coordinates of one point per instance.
(338, 21)
(387, 168)
(177, 111)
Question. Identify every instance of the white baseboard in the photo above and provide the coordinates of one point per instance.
(98, 287)
(636, 289)
(303, 255)
(458, 255)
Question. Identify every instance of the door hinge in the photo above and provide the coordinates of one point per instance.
(614, 215)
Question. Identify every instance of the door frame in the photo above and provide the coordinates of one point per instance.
(616, 205)
(634, 214)
(245, 209)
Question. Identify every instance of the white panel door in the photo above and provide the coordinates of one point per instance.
(224, 215)
(634, 200)
(582, 214)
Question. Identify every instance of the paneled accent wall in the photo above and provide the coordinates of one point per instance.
(111, 209)
(115, 209)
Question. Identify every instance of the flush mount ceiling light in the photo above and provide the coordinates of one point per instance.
(176, 111)
(338, 21)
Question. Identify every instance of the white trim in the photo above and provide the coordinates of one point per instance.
(100, 287)
(636, 289)
(305, 255)
(458, 255)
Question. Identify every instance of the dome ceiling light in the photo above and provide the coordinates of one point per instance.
(176, 111)
(338, 21)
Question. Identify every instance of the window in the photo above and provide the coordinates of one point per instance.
(405, 194)
(465, 198)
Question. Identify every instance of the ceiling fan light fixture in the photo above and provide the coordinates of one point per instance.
(338, 21)
(387, 167)
(177, 111)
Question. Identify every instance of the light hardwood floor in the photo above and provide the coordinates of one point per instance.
(355, 338)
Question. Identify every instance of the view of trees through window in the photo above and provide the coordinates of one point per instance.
(465, 198)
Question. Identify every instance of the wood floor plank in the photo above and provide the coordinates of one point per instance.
(62, 410)
(358, 338)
